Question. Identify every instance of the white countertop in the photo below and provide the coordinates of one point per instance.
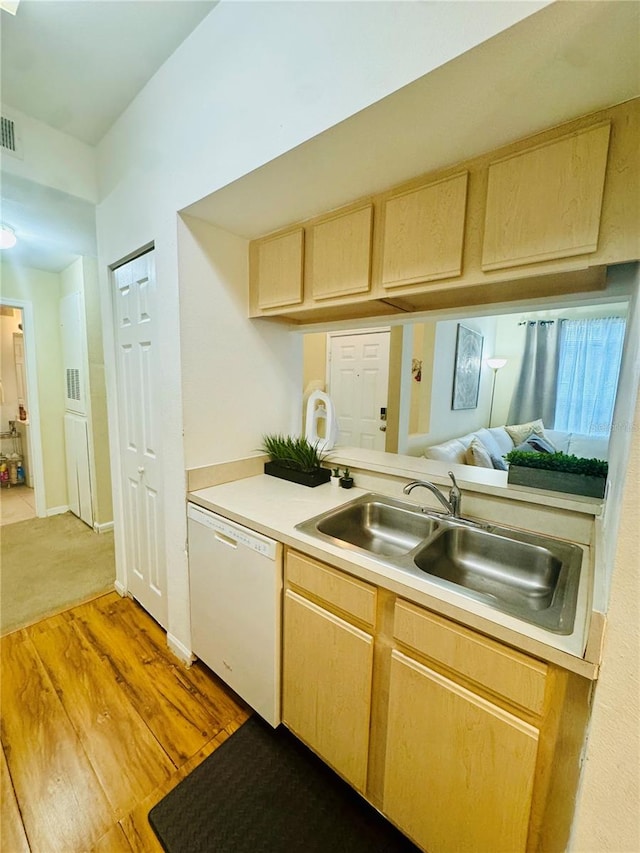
(273, 507)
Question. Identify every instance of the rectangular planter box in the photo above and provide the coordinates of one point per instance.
(303, 478)
(557, 481)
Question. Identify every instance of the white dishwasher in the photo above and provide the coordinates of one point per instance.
(235, 589)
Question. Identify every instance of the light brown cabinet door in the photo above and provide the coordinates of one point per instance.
(280, 270)
(424, 232)
(459, 770)
(544, 203)
(341, 254)
(326, 692)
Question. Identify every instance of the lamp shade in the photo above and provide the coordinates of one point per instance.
(496, 363)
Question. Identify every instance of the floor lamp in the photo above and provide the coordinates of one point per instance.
(495, 364)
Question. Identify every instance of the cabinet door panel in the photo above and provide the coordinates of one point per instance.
(459, 771)
(423, 233)
(341, 254)
(545, 203)
(327, 686)
(280, 264)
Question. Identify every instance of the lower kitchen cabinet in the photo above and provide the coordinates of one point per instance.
(327, 671)
(459, 770)
(463, 742)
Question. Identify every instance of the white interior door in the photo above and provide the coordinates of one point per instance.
(139, 417)
(358, 384)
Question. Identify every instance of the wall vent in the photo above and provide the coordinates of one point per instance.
(9, 138)
(73, 383)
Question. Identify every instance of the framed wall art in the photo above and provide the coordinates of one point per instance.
(466, 373)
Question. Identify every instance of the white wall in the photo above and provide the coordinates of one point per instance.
(256, 386)
(251, 82)
(445, 422)
(52, 158)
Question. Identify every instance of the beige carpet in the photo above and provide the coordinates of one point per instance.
(50, 564)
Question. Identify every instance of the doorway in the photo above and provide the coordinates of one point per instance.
(358, 380)
(21, 466)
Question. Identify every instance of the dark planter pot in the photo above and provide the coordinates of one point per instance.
(346, 482)
(557, 481)
(304, 478)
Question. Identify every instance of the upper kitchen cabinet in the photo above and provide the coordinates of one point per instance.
(339, 254)
(544, 203)
(423, 232)
(277, 270)
(536, 218)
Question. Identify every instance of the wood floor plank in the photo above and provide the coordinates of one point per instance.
(114, 841)
(62, 803)
(205, 686)
(158, 690)
(13, 838)
(128, 760)
(136, 825)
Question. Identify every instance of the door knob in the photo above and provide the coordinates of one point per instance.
(140, 469)
(383, 428)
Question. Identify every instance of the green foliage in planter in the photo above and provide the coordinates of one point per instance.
(295, 452)
(569, 464)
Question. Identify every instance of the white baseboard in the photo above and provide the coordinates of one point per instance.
(120, 588)
(102, 528)
(180, 650)
(57, 510)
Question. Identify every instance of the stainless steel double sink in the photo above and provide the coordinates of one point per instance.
(530, 576)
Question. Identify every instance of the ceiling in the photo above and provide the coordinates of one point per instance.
(76, 66)
(567, 60)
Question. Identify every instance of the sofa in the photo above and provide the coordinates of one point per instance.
(487, 447)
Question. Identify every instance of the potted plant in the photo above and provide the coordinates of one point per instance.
(558, 472)
(295, 459)
(346, 481)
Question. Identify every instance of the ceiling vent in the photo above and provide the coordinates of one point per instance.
(8, 136)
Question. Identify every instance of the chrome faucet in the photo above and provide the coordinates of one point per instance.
(452, 506)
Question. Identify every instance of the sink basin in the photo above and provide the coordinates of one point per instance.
(380, 526)
(495, 566)
(527, 575)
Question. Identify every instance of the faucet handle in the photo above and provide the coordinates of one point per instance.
(455, 497)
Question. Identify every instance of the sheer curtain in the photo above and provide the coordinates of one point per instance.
(590, 354)
(535, 393)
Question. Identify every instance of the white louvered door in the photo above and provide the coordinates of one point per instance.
(139, 416)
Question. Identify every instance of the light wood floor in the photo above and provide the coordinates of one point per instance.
(99, 722)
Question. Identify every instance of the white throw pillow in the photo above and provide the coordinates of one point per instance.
(478, 455)
(449, 451)
(520, 432)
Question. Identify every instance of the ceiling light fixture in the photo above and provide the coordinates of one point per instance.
(8, 237)
(10, 6)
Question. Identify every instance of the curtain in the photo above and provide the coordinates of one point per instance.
(535, 393)
(590, 355)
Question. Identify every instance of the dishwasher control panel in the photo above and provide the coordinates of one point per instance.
(232, 534)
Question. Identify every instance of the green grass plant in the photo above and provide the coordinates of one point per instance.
(564, 462)
(295, 452)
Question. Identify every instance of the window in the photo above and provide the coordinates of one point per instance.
(590, 355)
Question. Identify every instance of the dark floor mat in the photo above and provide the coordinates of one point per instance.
(263, 791)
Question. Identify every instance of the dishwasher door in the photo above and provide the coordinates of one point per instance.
(235, 589)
